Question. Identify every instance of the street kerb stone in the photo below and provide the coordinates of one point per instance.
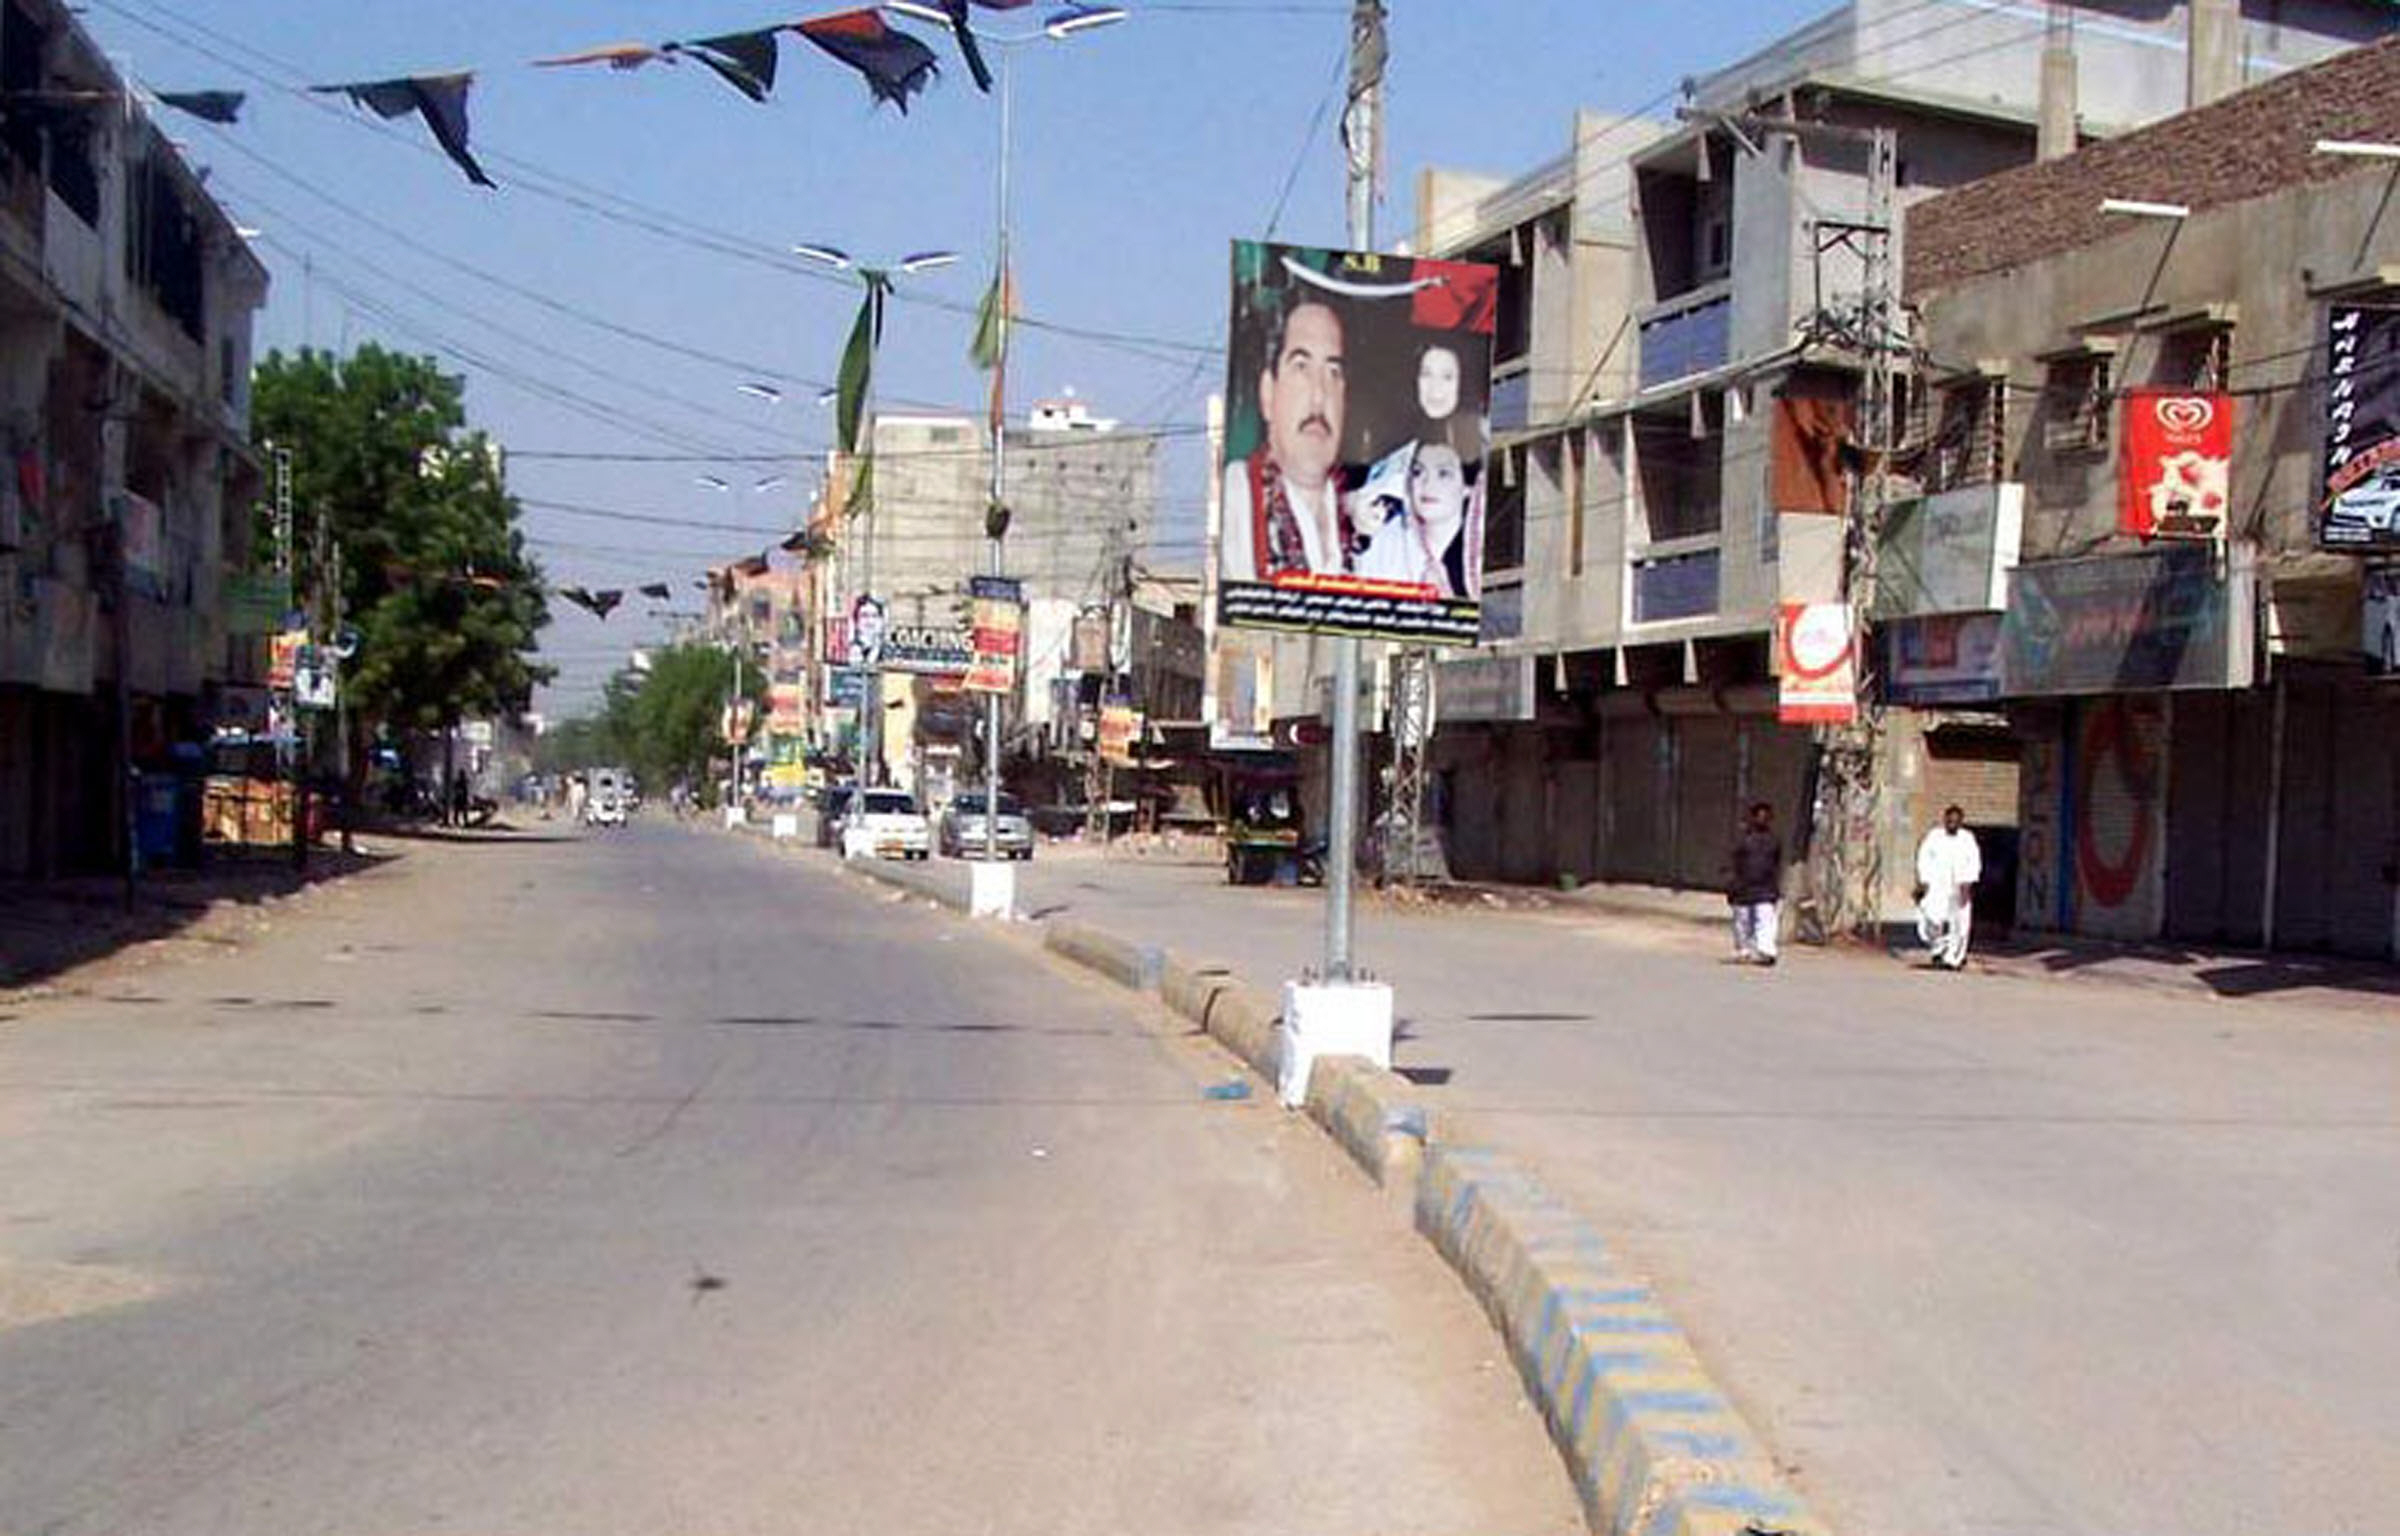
(1138, 966)
(1235, 1014)
(1375, 1114)
(1653, 1445)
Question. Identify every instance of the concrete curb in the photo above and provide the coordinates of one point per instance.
(1138, 966)
(1233, 1013)
(1652, 1443)
(910, 878)
(1376, 1115)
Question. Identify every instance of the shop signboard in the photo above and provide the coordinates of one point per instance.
(1489, 689)
(2173, 616)
(2175, 469)
(1358, 395)
(2359, 506)
(256, 601)
(1941, 658)
(997, 635)
(928, 650)
(1950, 552)
(1120, 732)
(1816, 664)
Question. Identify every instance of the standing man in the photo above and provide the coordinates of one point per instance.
(1283, 504)
(1756, 889)
(1948, 865)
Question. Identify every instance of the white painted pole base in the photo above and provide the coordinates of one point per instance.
(787, 825)
(735, 816)
(993, 891)
(1331, 1019)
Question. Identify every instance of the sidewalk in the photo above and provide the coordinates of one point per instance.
(2001, 1249)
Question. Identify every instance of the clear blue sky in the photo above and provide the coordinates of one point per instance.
(1141, 150)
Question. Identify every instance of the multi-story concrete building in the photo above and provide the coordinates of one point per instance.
(126, 301)
(1686, 322)
(2204, 758)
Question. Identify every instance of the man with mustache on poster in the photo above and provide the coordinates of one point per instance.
(1283, 504)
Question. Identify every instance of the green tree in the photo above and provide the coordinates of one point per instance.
(434, 571)
(673, 715)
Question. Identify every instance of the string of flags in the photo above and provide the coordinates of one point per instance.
(896, 65)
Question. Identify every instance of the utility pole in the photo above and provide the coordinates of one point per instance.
(995, 516)
(1846, 852)
(1362, 134)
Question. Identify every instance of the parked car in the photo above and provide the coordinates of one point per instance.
(2382, 630)
(963, 833)
(886, 824)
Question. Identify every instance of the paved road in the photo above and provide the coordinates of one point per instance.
(653, 1184)
(1977, 1253)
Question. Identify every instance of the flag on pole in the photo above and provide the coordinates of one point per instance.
(989, 349)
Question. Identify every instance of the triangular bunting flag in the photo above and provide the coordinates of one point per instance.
(441, 100)
(895, 65)
(209, 106)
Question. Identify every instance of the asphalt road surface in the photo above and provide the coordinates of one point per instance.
(648, 1183)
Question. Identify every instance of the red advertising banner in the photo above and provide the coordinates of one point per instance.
(1816, 664)
(2175, 479)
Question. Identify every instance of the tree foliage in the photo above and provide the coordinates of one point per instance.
(665, 723)
(434, 571)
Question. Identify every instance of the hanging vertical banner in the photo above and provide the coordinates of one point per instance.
(1816, 664)
(283, 659)
(2360, 508)
(1120, 732)
(2175, 473)
(1354, 445)
(997, 635)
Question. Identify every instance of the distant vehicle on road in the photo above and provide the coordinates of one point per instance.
(607, 797)
(963, 832)
(886, 824)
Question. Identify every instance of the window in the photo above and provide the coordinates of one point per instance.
(2194, 358)
(1504, 511)
(162, 243)
(1679, 467)
(20, 75)
(2075, 404)
(1970, 436)
(73, 176)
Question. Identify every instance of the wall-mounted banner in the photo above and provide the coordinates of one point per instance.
(929, 650)
(1120, 733)
(1941, 658)
(2175, 470)
(2173, 616)
(998, 634)
(256, 601)
(1354, 444)
(1816, 664)
(1949, 552)
(2360, 504)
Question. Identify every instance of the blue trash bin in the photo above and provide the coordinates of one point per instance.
(157, 811)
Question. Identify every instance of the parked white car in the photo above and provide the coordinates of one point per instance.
(886, 824)
(2380, 635)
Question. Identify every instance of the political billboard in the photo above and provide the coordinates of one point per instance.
(1357, 421)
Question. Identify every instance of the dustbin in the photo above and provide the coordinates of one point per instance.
(157, 817)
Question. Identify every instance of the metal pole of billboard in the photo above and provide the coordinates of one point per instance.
(995, 517)
(1362, 126)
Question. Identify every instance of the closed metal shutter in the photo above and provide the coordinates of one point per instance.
(2119, 775)
(1639, 815)
(1706, 799)
(2216, 817)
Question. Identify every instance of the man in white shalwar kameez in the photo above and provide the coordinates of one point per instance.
(1948, 865)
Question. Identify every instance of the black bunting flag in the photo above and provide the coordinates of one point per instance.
(441, 100)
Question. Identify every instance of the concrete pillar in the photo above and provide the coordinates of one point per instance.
(2213, 51)
(2055, 135)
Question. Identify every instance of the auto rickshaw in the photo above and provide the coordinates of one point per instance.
(1266, 834)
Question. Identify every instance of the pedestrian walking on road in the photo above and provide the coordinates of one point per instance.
(1949, 863)
(1756, 887)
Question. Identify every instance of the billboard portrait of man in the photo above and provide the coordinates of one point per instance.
(1354, 448)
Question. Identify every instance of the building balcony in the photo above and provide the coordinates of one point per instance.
(1689, 334)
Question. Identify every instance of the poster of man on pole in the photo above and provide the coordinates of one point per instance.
(1354, 445)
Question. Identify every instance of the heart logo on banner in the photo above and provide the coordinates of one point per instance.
(2186, 413)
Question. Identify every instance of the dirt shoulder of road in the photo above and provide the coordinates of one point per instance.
(68, 938)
